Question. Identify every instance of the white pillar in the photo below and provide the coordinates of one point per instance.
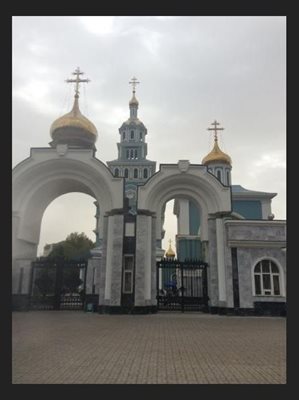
(114, 260)
(183, 219)
(266, 208)
(220, 260)
(148, 261)
(143, 273)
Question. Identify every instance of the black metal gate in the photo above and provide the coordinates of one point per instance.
(182, 285)
(58, 284)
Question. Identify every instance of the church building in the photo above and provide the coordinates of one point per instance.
(231, 252)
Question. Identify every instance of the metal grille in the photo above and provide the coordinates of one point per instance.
(58, 284)
(182, 285)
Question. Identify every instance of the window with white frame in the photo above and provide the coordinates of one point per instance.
(128, 274)
(267, 279)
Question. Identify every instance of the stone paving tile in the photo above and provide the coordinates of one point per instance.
(73, 347)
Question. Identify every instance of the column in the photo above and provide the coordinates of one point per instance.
(113, 270)
(221, 262)
(144, 260)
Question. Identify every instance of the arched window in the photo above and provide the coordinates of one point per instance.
(116, 172)
(227, 177)
(136, 154)
(124, 135)
(126, 173)
(128, 154)
(132, 154)
(145, 173)
(132, 134)
(266, 279)
(140, 136)
(219, 174)
(135, 173)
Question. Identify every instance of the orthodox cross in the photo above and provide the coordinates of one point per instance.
(134, 82)
(77, 80)
(215, 129)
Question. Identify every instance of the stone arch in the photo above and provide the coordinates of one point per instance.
(48, 174)
(183, 180)
(196, 184)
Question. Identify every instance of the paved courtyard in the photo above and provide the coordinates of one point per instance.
(76, 347)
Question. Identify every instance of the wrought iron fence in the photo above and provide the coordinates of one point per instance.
(182, 285)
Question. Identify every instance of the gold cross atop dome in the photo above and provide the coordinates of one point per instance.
(78, 80)
(216, 155)
(215, 129)
(134, 82)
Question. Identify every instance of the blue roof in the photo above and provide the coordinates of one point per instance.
(239, 189)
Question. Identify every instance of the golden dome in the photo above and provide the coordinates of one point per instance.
(74, 119)
(170, 253)
(217, 155)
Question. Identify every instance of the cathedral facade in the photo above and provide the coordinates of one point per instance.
(230, 229)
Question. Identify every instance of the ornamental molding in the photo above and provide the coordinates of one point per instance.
(183, 165)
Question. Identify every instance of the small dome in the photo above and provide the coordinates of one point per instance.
(170, 253)
(217, 155)
(74, 129)
(133, 101)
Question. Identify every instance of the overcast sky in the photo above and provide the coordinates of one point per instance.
(192, 70)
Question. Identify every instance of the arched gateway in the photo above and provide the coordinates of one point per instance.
(229, 227)
(46, 175)
(213, 199)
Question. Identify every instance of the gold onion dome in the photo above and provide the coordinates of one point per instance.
(73, 127)
(217, 155)
(170, 253)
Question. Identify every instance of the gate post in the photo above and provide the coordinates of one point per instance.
(111, 265)
(145, 273)
(183, 289)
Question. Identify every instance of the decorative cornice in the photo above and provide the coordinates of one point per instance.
(255, 222)
(257, 243)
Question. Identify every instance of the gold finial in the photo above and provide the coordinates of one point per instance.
(215, 129)
(170, 253)
(134, 82)
(78, 80)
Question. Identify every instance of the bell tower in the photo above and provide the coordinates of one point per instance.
(131, 162)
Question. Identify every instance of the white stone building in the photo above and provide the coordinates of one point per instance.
(229, 228)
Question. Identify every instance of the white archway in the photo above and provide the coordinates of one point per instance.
(46, 175)
(186, 181)
(195, 183)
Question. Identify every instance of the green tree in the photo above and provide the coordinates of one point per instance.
(75, 246)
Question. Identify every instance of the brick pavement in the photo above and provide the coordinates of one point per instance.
(86, 348)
